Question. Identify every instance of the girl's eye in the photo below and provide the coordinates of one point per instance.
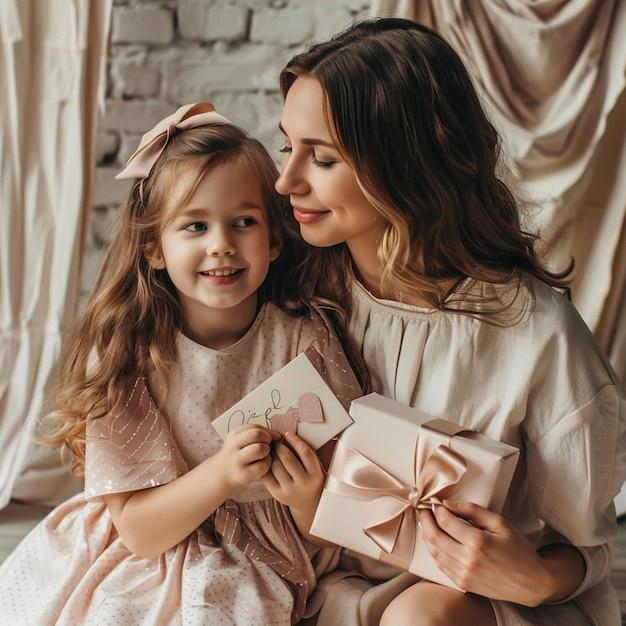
(285, 150)
(244, 222)
(196, 227)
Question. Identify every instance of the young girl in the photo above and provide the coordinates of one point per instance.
(176, 526)
(391, 166)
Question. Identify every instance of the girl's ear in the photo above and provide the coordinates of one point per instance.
(274, 252)
(153, 255)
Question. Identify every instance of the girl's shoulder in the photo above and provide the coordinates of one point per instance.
(314, 332)
(313, 322)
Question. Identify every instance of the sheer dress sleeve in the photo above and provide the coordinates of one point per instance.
(131, 449)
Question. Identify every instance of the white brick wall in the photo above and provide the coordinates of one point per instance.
(171, 52)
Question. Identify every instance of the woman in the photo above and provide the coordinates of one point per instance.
(392, 169)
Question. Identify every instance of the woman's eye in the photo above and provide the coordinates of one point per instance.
(285, 150)
(196, 227)
(323, 164)
(244, 222)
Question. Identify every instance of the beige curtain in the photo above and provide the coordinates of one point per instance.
(553, 73)
(52, 69)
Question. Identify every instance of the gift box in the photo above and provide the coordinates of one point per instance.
(394, 460)
(296, 398)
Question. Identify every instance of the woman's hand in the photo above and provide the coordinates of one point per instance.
(296, 479)
(245, 455)
(483, 554)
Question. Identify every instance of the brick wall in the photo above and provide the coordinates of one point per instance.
(168, 53)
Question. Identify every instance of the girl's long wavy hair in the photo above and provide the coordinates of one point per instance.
(405, 115)
(132, 317)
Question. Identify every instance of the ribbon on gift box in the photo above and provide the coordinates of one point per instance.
(391, 514)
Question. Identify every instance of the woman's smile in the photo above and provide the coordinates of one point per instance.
(307, 216)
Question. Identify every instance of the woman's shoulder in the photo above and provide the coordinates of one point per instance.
(523, 302)
(523, 299)
(548, 320)
(501, 303)
(552, 309)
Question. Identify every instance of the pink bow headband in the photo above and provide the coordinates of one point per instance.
(154, 141)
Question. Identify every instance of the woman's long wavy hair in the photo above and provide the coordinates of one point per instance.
(132, 317)
(405, 115)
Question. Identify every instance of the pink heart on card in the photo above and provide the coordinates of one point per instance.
(309, 410)
(283, 422)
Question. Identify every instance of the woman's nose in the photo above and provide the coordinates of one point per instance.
(281, 184)
(290, 180)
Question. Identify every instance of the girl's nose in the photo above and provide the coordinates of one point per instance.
(220, 243)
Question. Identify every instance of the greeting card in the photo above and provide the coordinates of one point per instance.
(295, 398)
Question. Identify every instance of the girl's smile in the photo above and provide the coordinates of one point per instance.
(223, 276)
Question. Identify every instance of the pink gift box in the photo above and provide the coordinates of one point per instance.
(395, 459)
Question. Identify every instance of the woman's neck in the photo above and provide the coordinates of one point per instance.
(371, 280)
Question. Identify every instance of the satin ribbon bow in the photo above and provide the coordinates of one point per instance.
(154, 141)
(391, 514)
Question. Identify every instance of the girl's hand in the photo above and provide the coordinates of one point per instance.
(153, 520)
(245, 455)
(483, 554)
(296, 479)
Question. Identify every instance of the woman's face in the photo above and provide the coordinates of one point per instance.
(323, 189)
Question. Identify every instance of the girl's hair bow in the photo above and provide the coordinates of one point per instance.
(154, 141)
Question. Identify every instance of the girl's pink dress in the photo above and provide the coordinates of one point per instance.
(246, 565)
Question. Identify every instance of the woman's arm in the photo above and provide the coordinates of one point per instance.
(482, 553)
(567, 568)
(154, 520)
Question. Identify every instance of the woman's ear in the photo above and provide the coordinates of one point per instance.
(152, 254)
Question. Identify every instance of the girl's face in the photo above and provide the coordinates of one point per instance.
(323, 189)
(217, 253)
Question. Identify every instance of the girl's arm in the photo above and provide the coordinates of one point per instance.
(154, 520)
(491, 558)
(296, 479)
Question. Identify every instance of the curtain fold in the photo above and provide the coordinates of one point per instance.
(553, 73)
(52, 79)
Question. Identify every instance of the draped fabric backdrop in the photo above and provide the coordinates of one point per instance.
(52, 69)
(553, 74)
